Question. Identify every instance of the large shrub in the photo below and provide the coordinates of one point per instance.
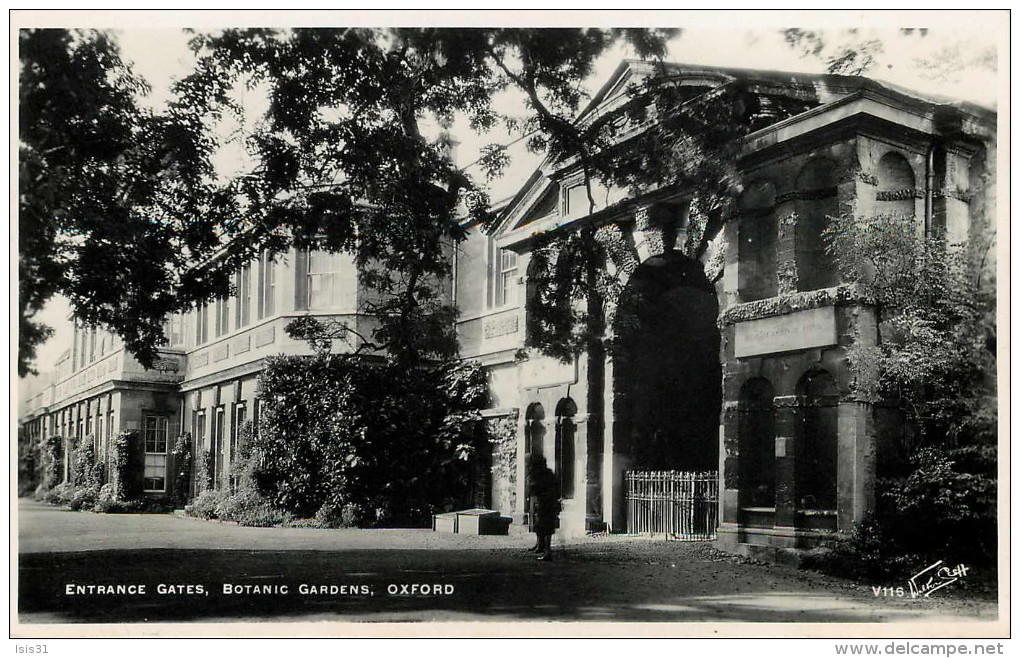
(53, 461)
(182, 458)
(29, 463)
(205, 504)
(203, 472)
(127, 466)
(371, 442)
(241, 502)
(84, 497)
(87, 472)
(941, 508)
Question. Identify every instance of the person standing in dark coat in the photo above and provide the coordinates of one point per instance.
(545, 501)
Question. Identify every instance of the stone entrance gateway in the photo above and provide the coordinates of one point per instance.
(651, 402)
(728, 354)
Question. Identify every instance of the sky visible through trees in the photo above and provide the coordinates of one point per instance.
(958, 63)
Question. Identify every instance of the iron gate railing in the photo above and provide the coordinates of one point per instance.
(679, 505)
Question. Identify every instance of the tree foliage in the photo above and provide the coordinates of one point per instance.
(112, 197)
(936, 353)
(935, 362)
(343, 160)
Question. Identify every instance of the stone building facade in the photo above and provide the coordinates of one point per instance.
(205, 379)
(739, 366)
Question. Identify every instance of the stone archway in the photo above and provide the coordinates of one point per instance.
(667, 373)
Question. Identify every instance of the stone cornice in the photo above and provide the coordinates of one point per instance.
(841, 295)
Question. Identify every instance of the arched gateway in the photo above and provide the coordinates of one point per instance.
(734, 361)
(667, 374)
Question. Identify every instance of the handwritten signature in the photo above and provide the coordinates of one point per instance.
(935, 577)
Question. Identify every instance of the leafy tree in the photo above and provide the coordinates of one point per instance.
(343, 160)
(936, 353)
(112, 197)
(118, 203)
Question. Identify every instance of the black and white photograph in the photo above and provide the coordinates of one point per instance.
(511, 324)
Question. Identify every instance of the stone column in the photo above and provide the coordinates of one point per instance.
(729, 464)
(614, 463)
(855, 478)
(648, 238)
(731, 281)
(520, 483)
(788, 425)
(575, 525)
(955, 191)
(786, 244)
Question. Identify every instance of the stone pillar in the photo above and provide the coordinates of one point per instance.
(855, 478)
(573, 523)
(786, 244)
(520, 483)
(648, 238)
(956, 192)
(731, 280)
(729, 464)
(788, 422)
(613, 463)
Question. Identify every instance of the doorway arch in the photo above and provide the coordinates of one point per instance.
(667, 371)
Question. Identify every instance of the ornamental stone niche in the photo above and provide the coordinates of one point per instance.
(816, 201)
(759, 232)
(897, 190)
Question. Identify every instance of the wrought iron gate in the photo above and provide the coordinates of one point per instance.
(679, 505)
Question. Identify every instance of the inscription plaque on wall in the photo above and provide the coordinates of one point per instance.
(242, 344)
(166, 364)
(802, 330)
(265, 336)
(503, 326)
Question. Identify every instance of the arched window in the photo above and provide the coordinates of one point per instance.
(897, 191)
(816, 192)
(757, 437)
(757, 271)
(817, 444)
(566, 430)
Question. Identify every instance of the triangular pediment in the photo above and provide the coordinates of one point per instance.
(539, 198)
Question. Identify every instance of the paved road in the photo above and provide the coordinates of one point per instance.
(195, 570)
